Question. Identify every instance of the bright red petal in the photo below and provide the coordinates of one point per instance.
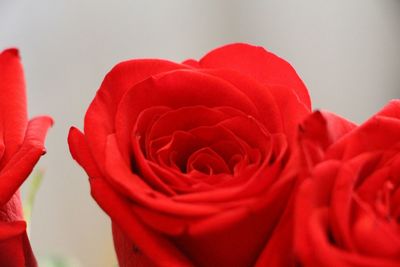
(22, 162)
(258, 63)
(15, 249)
(99, 119)
(13, 114)
(318, 132)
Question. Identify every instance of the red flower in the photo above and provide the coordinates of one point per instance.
(348, 210)
(21, 145)
(189, 159)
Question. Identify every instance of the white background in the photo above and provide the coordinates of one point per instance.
(347, 52)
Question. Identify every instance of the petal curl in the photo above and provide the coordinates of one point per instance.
(258, 63)
(22, 162)
(100, 116)
(380, 132)
(318, 132)
(175, 89)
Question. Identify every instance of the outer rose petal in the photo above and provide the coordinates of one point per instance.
(391, 110)
(288, 103)
(22, 162)
(80, 152)
(11, 229)
(258, 63)
(277, 251)
(150, 243)
(12, 210)
(15, 250)
(13, 115)
(318, 132)
(258, 93)
(251, 231)
(382, 131)
(128, 253)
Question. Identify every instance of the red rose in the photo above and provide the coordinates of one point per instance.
(348, 210)
(21, 145)
(189, 159)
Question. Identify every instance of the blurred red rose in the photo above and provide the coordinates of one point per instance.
(189, 160)
(348, 210)
(21, 145)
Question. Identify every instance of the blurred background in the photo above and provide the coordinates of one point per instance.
(346, 51)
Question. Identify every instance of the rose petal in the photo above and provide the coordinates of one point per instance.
(15, 249)
(13, 114)
(178, 120)
(123, 179)
(21, 164)
(12, 210)
(391, 110)
(175, 89)
(99, 119)
(150, 243)
(382, 131)
(258, 63)
(259, 94)
(318, 132)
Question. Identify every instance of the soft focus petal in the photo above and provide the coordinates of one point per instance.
(12, 210)
(391, 110)
(318, 132)
(15, 250)
(380, 132)
(80, 152)
(13, 114)
(22, 162)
